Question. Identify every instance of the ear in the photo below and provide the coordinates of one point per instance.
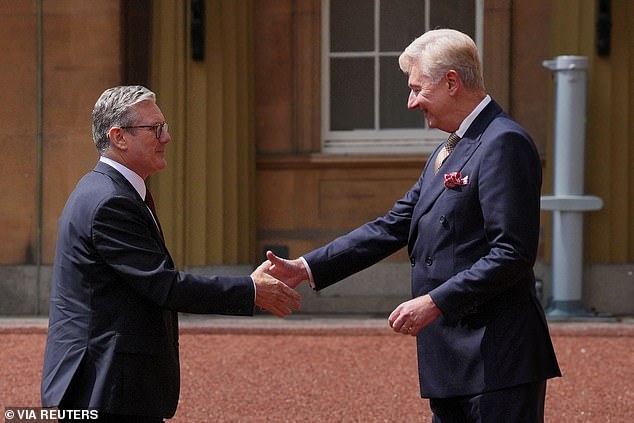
(453, 81)
(117, 138)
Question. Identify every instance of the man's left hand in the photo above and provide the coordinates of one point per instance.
(413, 315)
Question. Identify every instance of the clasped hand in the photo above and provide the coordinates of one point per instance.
(291, 272)
(272, 294)
(276, 280)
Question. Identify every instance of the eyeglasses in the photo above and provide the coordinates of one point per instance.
(158, 128)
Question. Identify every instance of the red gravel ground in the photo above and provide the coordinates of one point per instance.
(343, 371)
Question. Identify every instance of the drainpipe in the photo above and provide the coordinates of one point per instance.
(40, 151)
(568, 202)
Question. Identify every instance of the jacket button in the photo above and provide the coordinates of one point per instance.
(428, 261)
(443, 220)
(412, 261)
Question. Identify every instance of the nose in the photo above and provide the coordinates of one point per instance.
(165, 136)
(412, 101)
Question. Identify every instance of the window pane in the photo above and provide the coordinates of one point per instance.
(351, 94)
(401, 22)
(455, 14)
(393, 98)
(351, 25)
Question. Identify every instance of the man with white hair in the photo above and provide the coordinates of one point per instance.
(471, 226)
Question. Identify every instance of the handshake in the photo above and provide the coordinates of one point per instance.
(276, 280)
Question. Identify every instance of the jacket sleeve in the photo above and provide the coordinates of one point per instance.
(124, 236)
(364, 246)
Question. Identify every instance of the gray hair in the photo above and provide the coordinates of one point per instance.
(441, 50)
(114, 108)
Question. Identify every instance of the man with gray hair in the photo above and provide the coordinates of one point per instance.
(112, 342)
(471, 226)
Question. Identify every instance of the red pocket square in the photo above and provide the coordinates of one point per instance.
(455, 179)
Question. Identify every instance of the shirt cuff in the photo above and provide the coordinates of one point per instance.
(311, 282)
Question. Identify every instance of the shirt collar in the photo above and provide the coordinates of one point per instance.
(466, 123)
(137, 182)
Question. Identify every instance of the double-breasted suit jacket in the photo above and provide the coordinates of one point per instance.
(113, 330)
(472, 248)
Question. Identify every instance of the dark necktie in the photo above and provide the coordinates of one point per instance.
(150, 203)
(446, 150)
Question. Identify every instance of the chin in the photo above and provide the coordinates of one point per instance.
(162, 165)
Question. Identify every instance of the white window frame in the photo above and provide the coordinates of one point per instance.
(394, 141)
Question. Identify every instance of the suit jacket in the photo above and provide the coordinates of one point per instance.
(472, 247)
(113, 330)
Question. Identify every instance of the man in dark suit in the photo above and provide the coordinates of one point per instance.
(112, 342)
(471, 226)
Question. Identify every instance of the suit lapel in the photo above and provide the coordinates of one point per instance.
(434, 184)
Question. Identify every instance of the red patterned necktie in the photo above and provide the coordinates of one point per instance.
(446, 150)
(150, 203)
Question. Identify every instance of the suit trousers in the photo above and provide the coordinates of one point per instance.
(517, 404)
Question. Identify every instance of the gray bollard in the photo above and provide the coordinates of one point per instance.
(568, 202)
